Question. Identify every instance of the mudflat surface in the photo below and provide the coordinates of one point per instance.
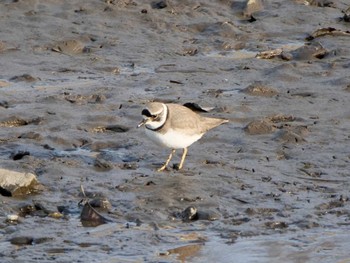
(271, 185)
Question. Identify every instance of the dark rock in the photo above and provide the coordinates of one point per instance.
(159, 4)
(26, 210)
(189, 214)
(89, 217)
(4, 104)
(19, 155)
(21, 241)
(101, 203)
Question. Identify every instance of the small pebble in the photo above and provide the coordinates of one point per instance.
(12, 218)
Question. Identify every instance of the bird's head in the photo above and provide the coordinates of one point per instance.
(154, 115)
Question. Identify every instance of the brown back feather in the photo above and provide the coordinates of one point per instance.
(188, 120)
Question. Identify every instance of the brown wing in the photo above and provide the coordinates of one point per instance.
(190, 122)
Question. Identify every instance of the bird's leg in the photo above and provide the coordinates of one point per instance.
(167, 161)
(183, 158)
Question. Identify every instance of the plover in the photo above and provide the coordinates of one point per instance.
(175, 126)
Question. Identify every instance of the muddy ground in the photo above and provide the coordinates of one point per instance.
(271, 185)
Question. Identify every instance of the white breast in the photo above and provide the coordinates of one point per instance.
(173, 139)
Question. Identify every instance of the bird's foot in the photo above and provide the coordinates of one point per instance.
(161, 168)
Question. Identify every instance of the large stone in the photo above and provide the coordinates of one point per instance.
(14, 183)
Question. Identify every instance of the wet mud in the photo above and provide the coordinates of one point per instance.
(272, 185)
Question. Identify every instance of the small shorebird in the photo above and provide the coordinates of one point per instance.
(175, 126)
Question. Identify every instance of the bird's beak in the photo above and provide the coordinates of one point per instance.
(142, 123)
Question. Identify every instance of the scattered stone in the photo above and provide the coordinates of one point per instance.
(26, 210)
(101, 203)
(259, 89)
(286, 56)
(22, 241)
(208, 215)
(12, 218)
(24, 77)
(270, 53)
(276, 225)
(330, 205)
(37, 209)
(19, 155)
(103, 165)
(31, 135)
(309, 51)
(305, 94)
(128, 166)
(63, 210)
(281, 118)
(27, 240)
(55, 215)
(16, 122)
(259, 127)
(148, 183)
(159, 4)
(41, 240)
(14, 183)
(89, 217)
(189, 214)
(346, 17)
(251, 19)
(288, 136)
(319, 3)
(305, 52)
(327, 31)
(40, 210)
(117, 128)
(191, 51)
(13, 122)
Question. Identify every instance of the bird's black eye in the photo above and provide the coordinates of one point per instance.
(146, 113)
